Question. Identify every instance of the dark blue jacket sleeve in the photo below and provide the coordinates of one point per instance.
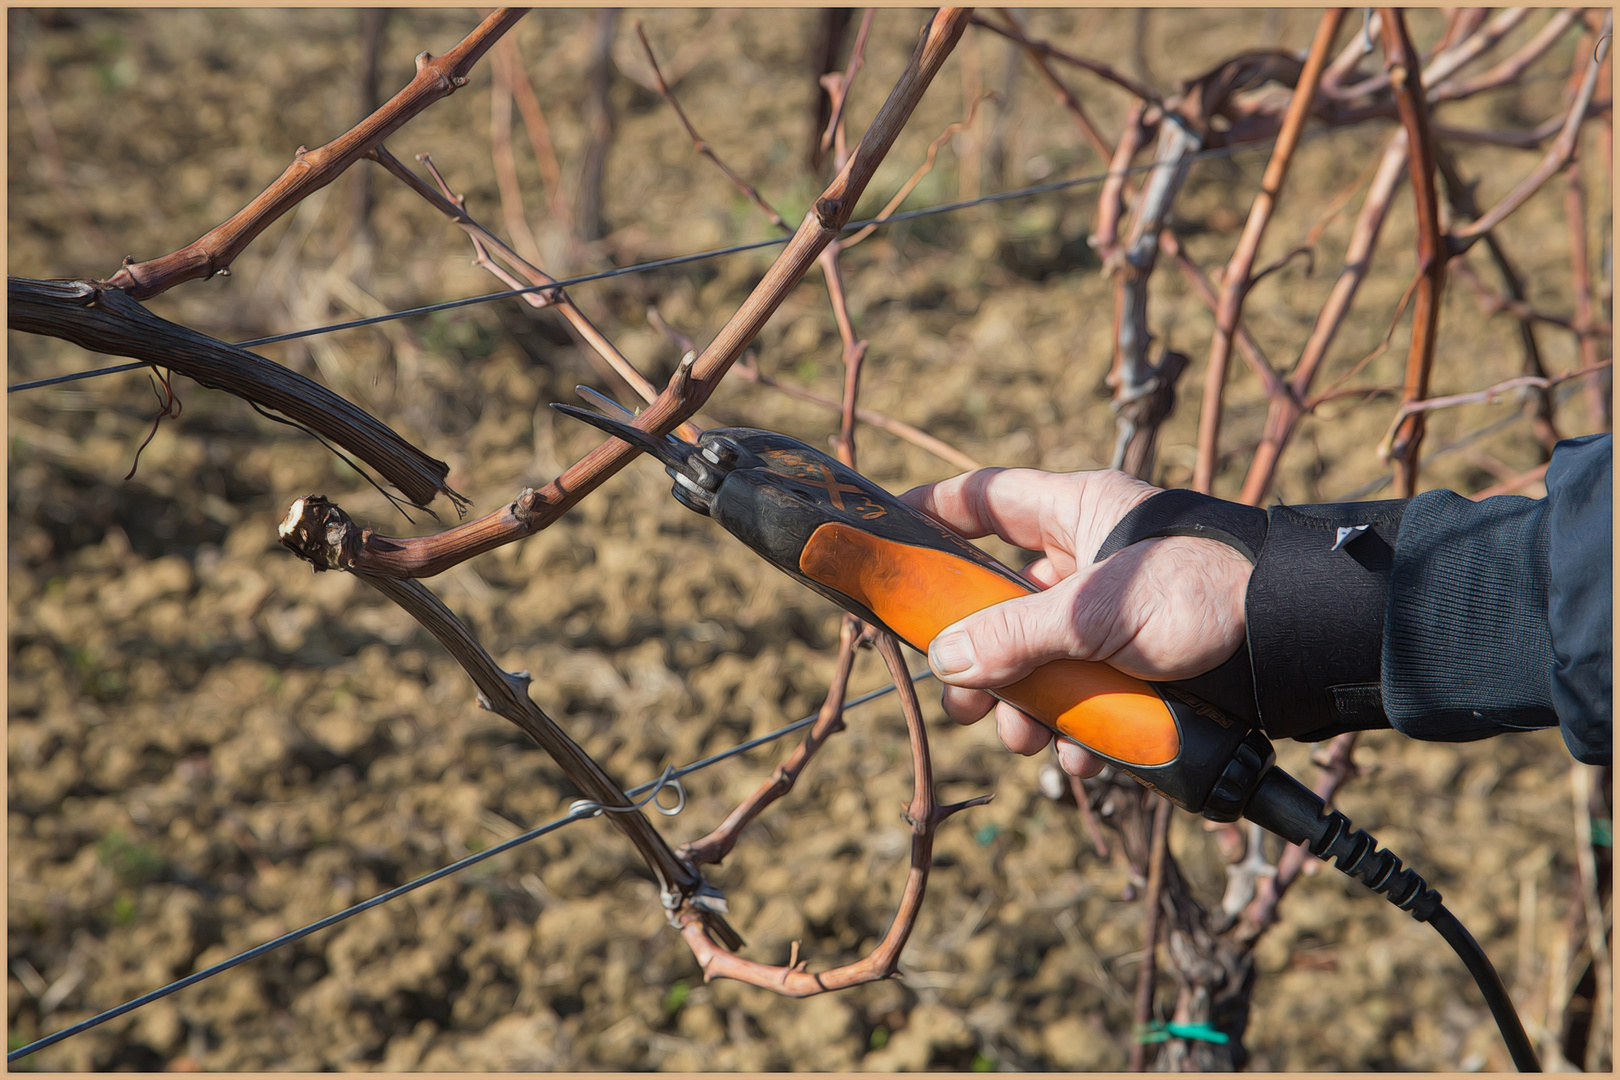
(1580, 596)
(1500, 613)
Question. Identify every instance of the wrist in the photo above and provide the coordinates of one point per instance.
(1178, 512)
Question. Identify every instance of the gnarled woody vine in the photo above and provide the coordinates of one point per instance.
(1210, 950)
(320, 532)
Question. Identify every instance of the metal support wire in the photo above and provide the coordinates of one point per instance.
(581, 811)
(677, 260)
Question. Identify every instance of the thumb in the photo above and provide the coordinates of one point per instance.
(1003, 643)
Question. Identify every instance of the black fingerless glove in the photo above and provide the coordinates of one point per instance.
(1314, 610)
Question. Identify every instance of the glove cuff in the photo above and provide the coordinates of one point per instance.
(1315, 617)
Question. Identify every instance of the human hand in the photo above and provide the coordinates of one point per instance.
(1161, 610)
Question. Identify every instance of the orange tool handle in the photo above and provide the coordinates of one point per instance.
(919, 591)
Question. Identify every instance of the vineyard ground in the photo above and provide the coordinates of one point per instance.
(208, 745)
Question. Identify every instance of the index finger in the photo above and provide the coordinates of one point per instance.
(1072, 513)
(1025, 507)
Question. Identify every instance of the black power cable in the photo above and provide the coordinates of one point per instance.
(1490, 984)
(1288, 808)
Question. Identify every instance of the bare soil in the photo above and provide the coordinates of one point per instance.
(208, 745)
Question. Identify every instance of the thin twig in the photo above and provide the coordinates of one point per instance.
(1236, 281)
(688, 56)
(1151, 899)
(1015, 33)
(857, 60)
(1460, 196)
(502, 60)
(700, 144)
(534, 123)
(711, 849)
(853, 349)
(1461, 25)
(854, 352)
(1597, 396)
(836, 85)
(1450, 56)
(1558, 155)
(1355, 50)
(1400, 59)
(1273, 384)
(1088, 814)
(1510, 69)
(1495, 303)
(1479, 397)
(1335, 388)
(1454, 56)
(916, 177)
(436, 78)
(454, 207)
(1283, 414)
(1066, 97)
(922, 814)
(168, 409)
(1529, 139)
(882, 421)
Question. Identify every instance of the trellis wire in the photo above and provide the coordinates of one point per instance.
(581, 811)
(675, 260)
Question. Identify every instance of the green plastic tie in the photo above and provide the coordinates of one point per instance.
(1603, 831)
(1159, 1031)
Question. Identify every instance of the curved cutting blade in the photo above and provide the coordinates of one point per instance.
(669, 450)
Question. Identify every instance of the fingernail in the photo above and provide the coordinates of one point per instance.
(1069, 756)
(951, 654)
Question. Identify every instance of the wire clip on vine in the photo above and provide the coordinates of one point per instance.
(667, 779)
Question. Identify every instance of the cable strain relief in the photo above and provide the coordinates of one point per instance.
(1294, 812)
(1357, 853)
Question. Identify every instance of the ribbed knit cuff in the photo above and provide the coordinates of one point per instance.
(1467, 619)
(1580, 593)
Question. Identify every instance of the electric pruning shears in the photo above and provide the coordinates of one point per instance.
(874, 556)
(892, 565)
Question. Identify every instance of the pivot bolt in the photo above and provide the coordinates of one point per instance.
(722, 452)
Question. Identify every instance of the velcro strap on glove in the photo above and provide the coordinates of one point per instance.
(1179, 512)
(1315, 617)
